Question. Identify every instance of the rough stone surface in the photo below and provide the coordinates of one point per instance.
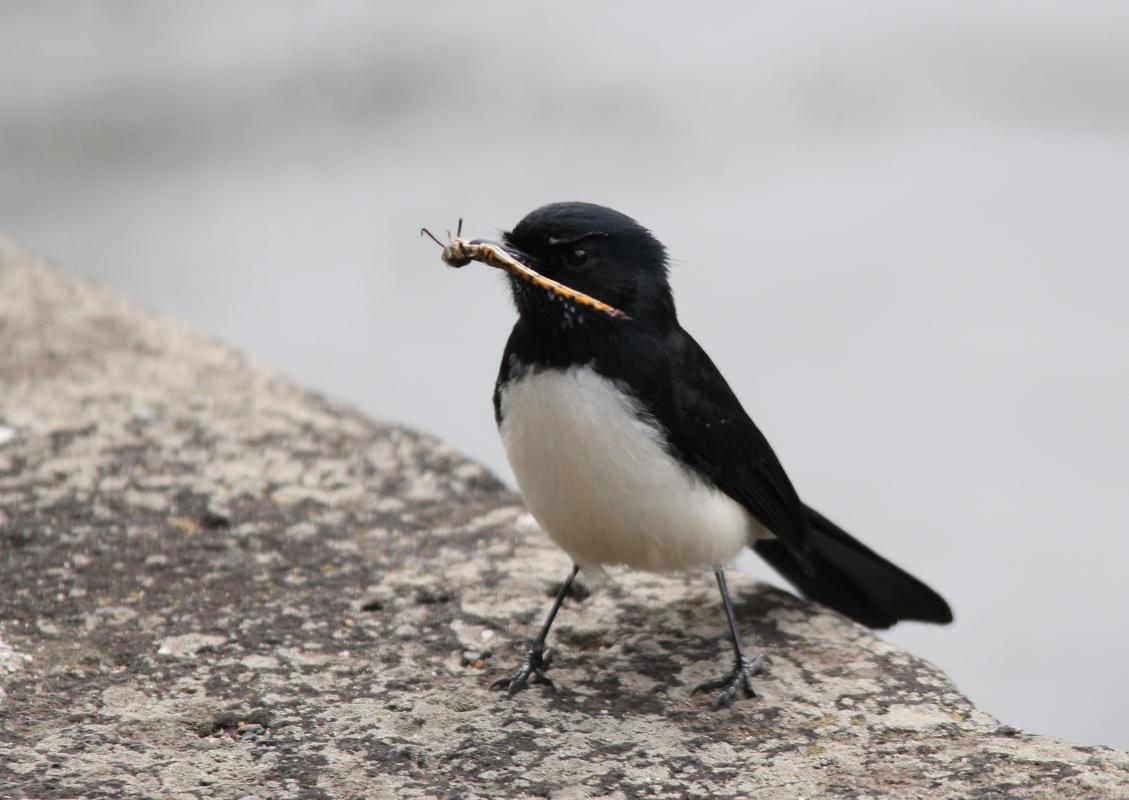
(216, 584)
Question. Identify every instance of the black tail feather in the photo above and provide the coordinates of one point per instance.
(854, 580)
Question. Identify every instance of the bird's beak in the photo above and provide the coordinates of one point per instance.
(523, 258)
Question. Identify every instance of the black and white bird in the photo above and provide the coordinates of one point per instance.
(630, 448)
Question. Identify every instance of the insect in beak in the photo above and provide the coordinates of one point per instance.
(459, 252)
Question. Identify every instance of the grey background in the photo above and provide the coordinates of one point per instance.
(901, 232)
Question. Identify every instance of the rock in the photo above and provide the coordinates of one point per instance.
(215, 582)
(189, 644)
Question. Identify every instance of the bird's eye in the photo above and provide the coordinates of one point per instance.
(576, 256)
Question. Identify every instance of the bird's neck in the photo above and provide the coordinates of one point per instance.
(553, 315)
(600, 341)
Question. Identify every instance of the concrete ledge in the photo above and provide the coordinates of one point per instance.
(216, 584)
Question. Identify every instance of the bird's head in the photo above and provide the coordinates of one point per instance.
(597, 251)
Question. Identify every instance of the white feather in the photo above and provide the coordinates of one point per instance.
(594, 473)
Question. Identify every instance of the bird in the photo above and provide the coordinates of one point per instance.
(630, 449)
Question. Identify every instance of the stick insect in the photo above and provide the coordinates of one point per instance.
(459, 252)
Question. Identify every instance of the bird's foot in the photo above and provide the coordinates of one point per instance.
(532, 670)
(736, 683)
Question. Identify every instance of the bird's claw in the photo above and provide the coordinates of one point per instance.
(532, 670)
(736, 682)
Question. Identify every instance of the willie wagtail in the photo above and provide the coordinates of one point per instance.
(630, 448)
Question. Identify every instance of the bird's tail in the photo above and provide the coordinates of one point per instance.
(851, 578)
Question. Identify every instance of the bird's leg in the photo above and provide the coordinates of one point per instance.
(538, 658)
(737, 682)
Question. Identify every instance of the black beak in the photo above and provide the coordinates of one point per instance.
(510, 250)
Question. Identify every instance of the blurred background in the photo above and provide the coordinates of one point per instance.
(900, 229)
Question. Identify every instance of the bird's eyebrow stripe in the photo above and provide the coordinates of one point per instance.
(557, 242)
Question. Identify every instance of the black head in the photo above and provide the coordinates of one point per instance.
(597, 251)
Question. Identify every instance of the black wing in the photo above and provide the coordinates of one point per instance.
(713, 434)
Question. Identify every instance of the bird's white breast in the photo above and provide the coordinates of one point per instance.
(594, 473)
